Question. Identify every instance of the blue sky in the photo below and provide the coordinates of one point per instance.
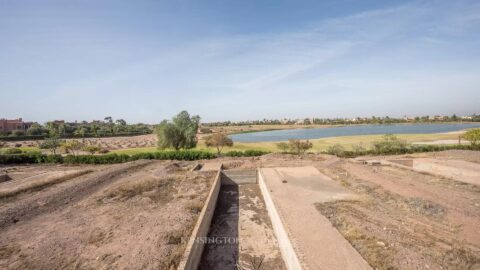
(237, 60)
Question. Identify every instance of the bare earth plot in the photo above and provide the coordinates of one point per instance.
(347, 216)
(109, 143)
(406, 219)
(127, 216)
(459, 170)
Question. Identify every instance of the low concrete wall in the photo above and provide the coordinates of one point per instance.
(239, 177)
(193, 252)
(286, 248)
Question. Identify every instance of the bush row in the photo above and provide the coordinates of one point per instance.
(37, 157)
(406, 150)
(246, 153)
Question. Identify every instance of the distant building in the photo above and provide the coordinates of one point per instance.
(15, 124)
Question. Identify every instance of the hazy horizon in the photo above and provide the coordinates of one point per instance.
(144, 61)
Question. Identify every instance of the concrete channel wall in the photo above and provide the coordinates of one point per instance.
(239, 177)
(286, 248)
(193, 252)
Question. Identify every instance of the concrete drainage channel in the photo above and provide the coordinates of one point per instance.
(238, 228)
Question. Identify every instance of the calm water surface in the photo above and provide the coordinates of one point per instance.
(317, 133)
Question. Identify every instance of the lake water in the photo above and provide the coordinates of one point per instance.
(317, 133)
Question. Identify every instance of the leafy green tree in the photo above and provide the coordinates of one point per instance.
(473, 135)
(121, 122)
(218, 140)
(180, 132)
(109, 120)
(82, 131)
(95, 129)
(17, 133)
(36, 129)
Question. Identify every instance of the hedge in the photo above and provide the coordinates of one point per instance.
(247, 153)
(37, 157)
(407, 150)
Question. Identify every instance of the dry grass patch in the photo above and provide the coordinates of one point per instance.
(373, 250)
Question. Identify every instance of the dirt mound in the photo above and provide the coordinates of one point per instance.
(173, 167)
(5, 177)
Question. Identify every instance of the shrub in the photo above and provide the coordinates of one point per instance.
(218, 140)
(391, 145)
(72, 146)
(91, 149)
(358, 148)
(12, 151)
(473, 135)
(234, 154)
(336, 150)
(299, 147)
(247, 153)
(17, 133)
(205, 130)
(283, 146)
(52, 143)
(254, 153)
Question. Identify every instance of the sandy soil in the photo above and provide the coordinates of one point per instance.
(400, 219)
(110, 143)
(137, 215)
(129, 216)
(406, 219)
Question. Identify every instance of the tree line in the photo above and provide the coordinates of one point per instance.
(350, 121)
(108, 127)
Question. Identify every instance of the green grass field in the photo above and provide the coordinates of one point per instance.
(319, 145)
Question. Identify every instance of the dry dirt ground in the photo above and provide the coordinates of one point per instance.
(407, 219)
(401, 219)
(109, 143)
(136, 215)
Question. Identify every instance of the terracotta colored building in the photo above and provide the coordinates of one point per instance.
(11, 125)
